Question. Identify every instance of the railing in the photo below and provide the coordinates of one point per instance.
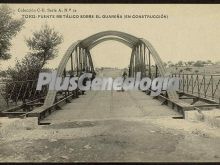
(206, 86)
(18, 92)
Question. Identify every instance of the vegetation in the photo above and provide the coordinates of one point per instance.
(43, 45)
(196, 67)
(198, 63)
(26, 69)
(9, 27)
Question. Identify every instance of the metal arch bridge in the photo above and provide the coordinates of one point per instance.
(141, 49)
(78, 59)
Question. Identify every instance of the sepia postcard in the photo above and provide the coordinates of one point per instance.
(109, 82)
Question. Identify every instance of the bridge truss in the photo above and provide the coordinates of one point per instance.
(144, 58)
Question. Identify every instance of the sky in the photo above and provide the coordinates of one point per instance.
(191, 32)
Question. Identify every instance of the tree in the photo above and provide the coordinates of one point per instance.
(180, 63)
(190, 63)
(44, 47)
(26, 69)
(196, 71)
(188, 69)
(199, 63)
(209, 62)
(9, 27)
(3, 73)
(170, 64)
(186, 63)
(44, 44)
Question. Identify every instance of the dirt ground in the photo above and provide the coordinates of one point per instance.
(113, 126)
(109, 140)
(125, 130)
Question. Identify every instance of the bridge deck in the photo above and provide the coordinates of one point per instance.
(111, 104)
(113, 126)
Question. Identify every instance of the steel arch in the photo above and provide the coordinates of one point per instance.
(137, 60)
